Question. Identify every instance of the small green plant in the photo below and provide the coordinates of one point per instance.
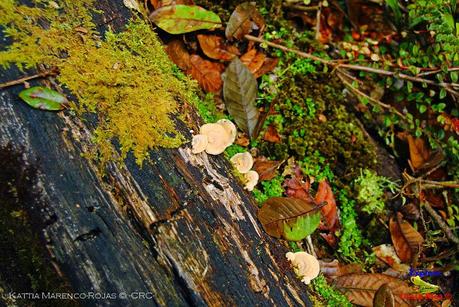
(350, 236)
(268, 189)
(370, 190)
(234, 149)
(329, 294)
(316, 166)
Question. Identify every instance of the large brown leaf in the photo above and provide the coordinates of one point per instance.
(258, 63)
(406, 240)
(278, 211)
(419, 152)
(240, 91)
(207, 73)
(360, 288)
(243, 20)
(214, 48)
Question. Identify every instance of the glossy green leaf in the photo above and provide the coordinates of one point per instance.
(180, 18)
(240, 91)
(43, 98)
(301, 227)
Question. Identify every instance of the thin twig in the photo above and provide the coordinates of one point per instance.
(448, 232)
(44, 74)
(301, 7)
(334, 64)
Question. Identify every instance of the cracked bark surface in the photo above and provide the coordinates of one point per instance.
(180, 227)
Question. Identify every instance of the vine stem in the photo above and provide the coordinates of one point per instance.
(44, 74)
(448, 232)
(337, 64)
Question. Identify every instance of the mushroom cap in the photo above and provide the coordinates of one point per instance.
(306, 266)
(251, 178)
(230, 128)
(217, 137)
(243, 162)
(199, 143)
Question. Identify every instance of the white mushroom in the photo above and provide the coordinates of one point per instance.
(306, 266)
(251, 180)
(230, 128)
(217, 137)
(243, 162)
(199, 143)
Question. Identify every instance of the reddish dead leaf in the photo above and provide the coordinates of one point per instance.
(268, 65)
(296, 187)
(253, 59)
(330, 238)
(330, 210)
(406, 240)
(266, 169)
(242, 140)
(335, 269)
(177, 52)
(387, 254)
(214, 48)
(207, 73)
(271, 135)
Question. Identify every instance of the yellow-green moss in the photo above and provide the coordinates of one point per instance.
(126, 78)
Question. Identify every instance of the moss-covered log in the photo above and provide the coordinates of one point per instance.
(180, 227)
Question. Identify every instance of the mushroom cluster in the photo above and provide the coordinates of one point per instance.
(306, 266)
(215, 138)
(243, 162)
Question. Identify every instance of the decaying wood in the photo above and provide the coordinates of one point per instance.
(180, 227)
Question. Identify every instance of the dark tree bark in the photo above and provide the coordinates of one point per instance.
(180, 227)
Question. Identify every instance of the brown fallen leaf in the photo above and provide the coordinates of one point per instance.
(335, 269)
(384, 297)
(177, 52)
(387, 254)
(268, 65)
(330, 210)
(266, 169)
(360, 288)
(207, 73)
(407, 241)
(243, 20)
(297, 188)
(271, 135)
(419, 152)
(214, 48)
(253, 59)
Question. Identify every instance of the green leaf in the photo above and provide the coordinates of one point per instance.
(180, 18)
(442, 93)
(43, 98)
(289, 218)
(239, 92)
(302, 227)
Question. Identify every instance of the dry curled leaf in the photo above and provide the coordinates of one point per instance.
(335, 269)
(330, 210)
(243, 20)
(295, 187)
(361, 288)
(407, 241)
(258, 63)
(384, 297)
(265, 168)
(290, 218)
(207, 73)
(419, 152)
(271, 135)
(214, 48)
(177, 52)
(240, 91)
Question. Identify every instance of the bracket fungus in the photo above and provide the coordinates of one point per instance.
(199, 143)
(251, 180)
(243, 162)
(230, 128)
(306, 266)
(217, 136)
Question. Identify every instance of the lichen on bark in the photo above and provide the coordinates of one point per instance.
(125, 78)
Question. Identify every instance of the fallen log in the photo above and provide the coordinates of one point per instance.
(178, 231)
